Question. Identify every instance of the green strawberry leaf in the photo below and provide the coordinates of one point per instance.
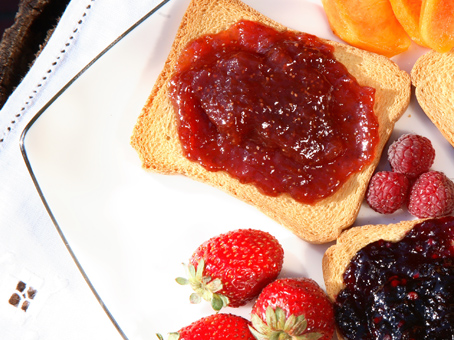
(299, 325)
(259, 325)
(191, 270)
(271, 318)
(194, 298)
(214, 286)
(172, 336)
(280, 317)
(206, 280)
(203, 286)
(278, 336)
(182, 281)
(217, 303)
(278, 327)
(258, 335)
(310, 336)
(200, 269)
(224, 299)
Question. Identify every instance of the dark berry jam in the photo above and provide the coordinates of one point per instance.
(401, 290)
(274, 109)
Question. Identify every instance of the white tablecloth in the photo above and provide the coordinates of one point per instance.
(43, 295)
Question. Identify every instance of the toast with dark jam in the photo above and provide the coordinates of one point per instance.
(393, 281)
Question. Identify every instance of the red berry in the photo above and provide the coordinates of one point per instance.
(301, 310)
(231, 269)
(387, 191)
(411, 155)
(215, 327)
(432, 195)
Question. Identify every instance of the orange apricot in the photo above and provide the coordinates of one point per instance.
(407, 13)
(367, 24)
(437, 24)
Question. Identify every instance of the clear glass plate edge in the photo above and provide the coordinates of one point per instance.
(35, 181)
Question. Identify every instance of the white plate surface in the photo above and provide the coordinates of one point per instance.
(131, 230)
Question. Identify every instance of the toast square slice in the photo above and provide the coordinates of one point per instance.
(433, 79)
(156, 140)
(337, 257)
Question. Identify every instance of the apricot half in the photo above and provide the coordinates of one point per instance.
(407, 13)
(437, 24)
(367, 24)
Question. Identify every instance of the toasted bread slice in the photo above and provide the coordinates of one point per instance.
(156, 140)
(433, 79)
(337, 257)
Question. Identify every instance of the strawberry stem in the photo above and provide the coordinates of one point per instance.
(278, 327)
(204, 287)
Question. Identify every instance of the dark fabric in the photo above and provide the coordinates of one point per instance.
(24, 39)
(8, 10)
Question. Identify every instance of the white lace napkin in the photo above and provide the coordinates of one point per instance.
(43, 295)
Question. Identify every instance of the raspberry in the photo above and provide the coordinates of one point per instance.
(411, 155)
(432, 195)
(387, 191)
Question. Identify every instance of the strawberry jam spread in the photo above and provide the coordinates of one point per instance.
(274, 109)
(401, 290)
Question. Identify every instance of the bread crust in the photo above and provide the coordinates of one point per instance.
(337, 257)
(433, 79)
(155, 136)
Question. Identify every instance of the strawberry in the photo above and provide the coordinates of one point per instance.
(232, 268)
(215, 327)
(293, 309)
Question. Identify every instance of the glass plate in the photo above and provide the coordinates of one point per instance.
(130, 230)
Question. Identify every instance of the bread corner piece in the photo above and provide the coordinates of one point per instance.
(156, 141)
(337, 257)
(433, 79)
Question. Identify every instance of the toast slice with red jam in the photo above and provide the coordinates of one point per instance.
(283, 120)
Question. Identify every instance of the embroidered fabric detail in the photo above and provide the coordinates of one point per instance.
(45, 76)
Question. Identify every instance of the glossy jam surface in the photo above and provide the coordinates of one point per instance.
(274, 109)
(402, 290)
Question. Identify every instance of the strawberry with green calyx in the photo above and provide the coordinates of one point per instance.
(231, 269)
(296, 309)
(218, 326)
(204, 287)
